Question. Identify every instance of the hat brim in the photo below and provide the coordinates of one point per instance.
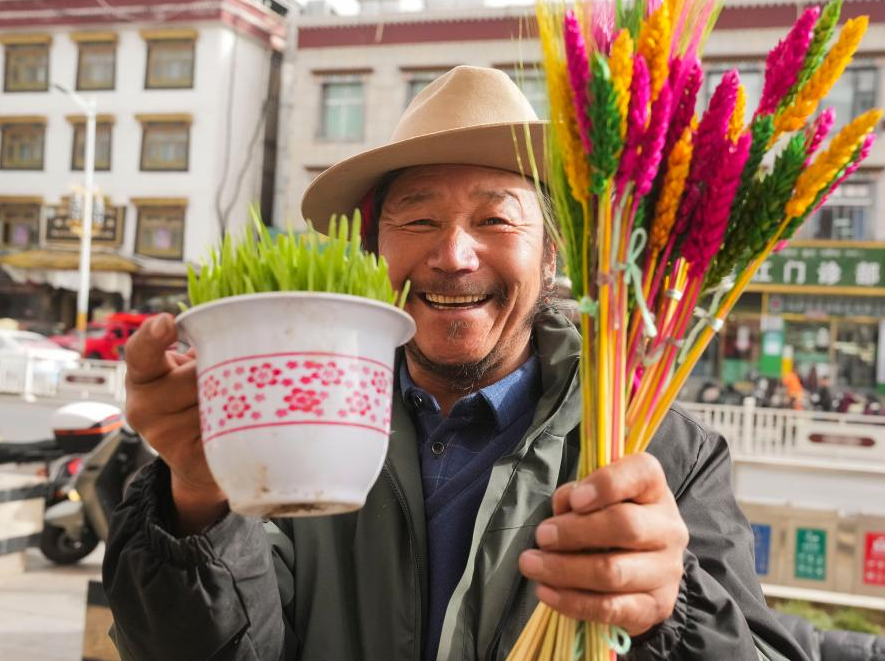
(340, 189)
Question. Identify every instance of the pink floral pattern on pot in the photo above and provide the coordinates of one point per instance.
(294, 388)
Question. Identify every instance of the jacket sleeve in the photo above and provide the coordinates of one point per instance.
(208, 596)
(720, 611)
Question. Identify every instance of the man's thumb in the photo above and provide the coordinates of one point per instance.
(146, 350)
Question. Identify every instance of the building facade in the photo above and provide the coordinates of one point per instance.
(348, 79)
(182, 95)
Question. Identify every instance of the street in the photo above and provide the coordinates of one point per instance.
(42, 610)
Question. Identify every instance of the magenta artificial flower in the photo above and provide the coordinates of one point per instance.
(785, 61)
(637, 118)
(653, 142)
(579, 75)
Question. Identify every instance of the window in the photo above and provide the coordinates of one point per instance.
(533, 84)
(418, 80)
(103, 128)
(96, 61)
(27, 63)
(852, 95)
(22, 147)
(165, 142)
(160, 231)
(19, 224)
(343, 109)
(170, 58)
(847, 214)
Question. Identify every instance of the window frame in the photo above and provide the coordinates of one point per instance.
(152, 44)
(37, 125)
(78, 126)
(11, 47)
(143, 206)
(85, 45)
(149, 122)
(343, 78)
(36, 205)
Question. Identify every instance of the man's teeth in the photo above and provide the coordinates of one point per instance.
(453, 300)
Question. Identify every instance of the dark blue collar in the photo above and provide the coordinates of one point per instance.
(506, 399)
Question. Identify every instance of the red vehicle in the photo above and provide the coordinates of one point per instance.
(105, 339)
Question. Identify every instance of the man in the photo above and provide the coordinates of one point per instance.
(441, 562)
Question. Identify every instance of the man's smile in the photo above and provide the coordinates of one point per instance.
(442, 302)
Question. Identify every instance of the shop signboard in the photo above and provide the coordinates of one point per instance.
(771, 357)
(869, 562)
(811, 554)
(827, 265)
(762, 544)
(768, 523)
(61, 228)
(874, 558)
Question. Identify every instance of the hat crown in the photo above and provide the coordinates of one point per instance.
(464, 97)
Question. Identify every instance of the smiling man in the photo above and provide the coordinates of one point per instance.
(475, 516)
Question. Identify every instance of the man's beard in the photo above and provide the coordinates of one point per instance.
(464, 377)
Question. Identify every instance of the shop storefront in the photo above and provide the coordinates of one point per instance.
(816, 309)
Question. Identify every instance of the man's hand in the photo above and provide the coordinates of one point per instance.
(161, 405)
(612, 552)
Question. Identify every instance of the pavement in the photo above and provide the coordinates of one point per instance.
(42, 610)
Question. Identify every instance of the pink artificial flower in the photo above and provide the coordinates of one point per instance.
(818, 132)
(785, 61)
(579, 75)
(637, 117)
(653, 142)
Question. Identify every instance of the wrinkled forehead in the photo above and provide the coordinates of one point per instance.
(416, 185)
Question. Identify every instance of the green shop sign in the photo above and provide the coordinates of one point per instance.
(827, 265)
(811, 554)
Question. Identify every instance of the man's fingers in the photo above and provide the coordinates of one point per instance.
(145, 352)
(637, 477)
(635, 613)
(623, 526)
(561, 497)
(146, 403)
(601, 572)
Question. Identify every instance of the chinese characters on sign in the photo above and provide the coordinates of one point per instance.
(824, 266)
(874, 559)
(811, 554)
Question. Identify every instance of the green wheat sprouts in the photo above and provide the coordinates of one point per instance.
(255, 263)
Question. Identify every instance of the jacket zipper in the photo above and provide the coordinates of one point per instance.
(416, 557)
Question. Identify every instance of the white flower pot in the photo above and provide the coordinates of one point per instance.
(295, 392)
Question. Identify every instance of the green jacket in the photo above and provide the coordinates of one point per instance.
(353, 586)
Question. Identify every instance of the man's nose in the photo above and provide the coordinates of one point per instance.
(456, 251)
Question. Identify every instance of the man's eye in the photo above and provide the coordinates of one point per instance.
(419, 222)
(495, 220)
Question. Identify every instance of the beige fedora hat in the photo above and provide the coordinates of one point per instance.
(469, 115)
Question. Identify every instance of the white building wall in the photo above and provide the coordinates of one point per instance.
(207, 103)
(302, 154)
(385, 90)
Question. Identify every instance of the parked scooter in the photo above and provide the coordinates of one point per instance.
(80, 500)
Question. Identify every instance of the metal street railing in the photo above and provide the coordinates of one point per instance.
(764, 432)
(32, 377)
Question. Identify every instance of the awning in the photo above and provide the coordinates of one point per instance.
(67, 260)
(59, 269)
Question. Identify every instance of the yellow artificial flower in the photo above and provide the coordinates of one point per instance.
(621, 65)
(654, 46)
(678, 164)
(829, 163)
(736, 124)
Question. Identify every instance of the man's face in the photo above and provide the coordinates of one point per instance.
(471, 240)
